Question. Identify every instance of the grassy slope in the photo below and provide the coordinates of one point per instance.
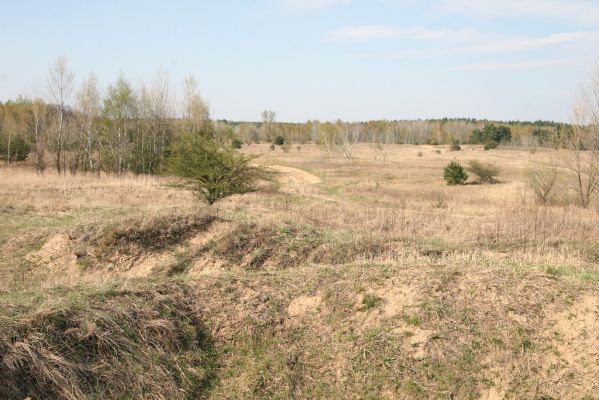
(298, 296)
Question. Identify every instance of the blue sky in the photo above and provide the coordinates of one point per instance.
(319, 59)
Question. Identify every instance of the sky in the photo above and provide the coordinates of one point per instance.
(319, 59)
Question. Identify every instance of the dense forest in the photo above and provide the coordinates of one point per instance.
(128, 129)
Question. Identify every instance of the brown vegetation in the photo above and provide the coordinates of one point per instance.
(353, 279)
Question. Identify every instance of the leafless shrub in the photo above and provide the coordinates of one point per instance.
(486, 172)
(584, 143)
(542, 179)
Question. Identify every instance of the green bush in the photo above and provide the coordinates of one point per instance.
(236, 143)
(455, 146)
(279, 140)
(486, 172)
(490, 144)
(211, 171)
(370, 301)
(491, 132)
(454, 174)
(19, 148)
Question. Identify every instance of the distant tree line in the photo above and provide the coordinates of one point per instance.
(444, 131)
(125, 128)
(77, 129)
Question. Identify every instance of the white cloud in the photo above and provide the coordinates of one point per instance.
(368, 32)
(586, 11)
(481, 44)
(519, 65)
(510, 45)
(313, 4)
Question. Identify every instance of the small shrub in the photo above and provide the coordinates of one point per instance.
(279, 140)
(236, 143)
(272, 147)
(210, 171)
(455, 146)
(370, 301)
(181, 265)
(490, 144)
(440, 203)
(299, 148)
(486, 172)
(438, 151)
(454, 174)
(411, 319)
(420, 154)
(542, 180)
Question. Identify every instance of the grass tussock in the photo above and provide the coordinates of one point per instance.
(115, 342)
(135, 237)
(259, 246)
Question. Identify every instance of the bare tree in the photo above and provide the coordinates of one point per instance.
(163, 113)
(9, 125)
(268, 120)
(584, 143)
(382, 138)
(60, 88)
(328, 138)
(542, 179)
(195, 110)
(119, 113)
(248, 132)
(349, 135)
(89, 109)
(39, 111)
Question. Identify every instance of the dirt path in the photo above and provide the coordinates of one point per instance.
(297, 181)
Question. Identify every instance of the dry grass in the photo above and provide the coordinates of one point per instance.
(115, 342)
(23, 189)
(397, 199)
(355, 279)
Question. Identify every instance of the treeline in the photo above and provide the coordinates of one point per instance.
(76, 128)
(442, 131)
(125, 128)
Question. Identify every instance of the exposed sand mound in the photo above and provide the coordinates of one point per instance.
(298, 181)
(304, 305)
(575, 336)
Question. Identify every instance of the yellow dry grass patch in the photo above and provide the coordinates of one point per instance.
(360, 277)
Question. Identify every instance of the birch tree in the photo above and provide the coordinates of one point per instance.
(382, 136)
(60, 89)
(584, 143)
(119, 115)
(39, 111)
(268, 120)
(195, 111)
(88, 112)
(163, 114)
(349, 135)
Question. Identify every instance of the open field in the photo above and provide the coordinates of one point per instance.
(345, 279)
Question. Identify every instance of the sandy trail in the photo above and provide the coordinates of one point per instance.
(297, 181)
